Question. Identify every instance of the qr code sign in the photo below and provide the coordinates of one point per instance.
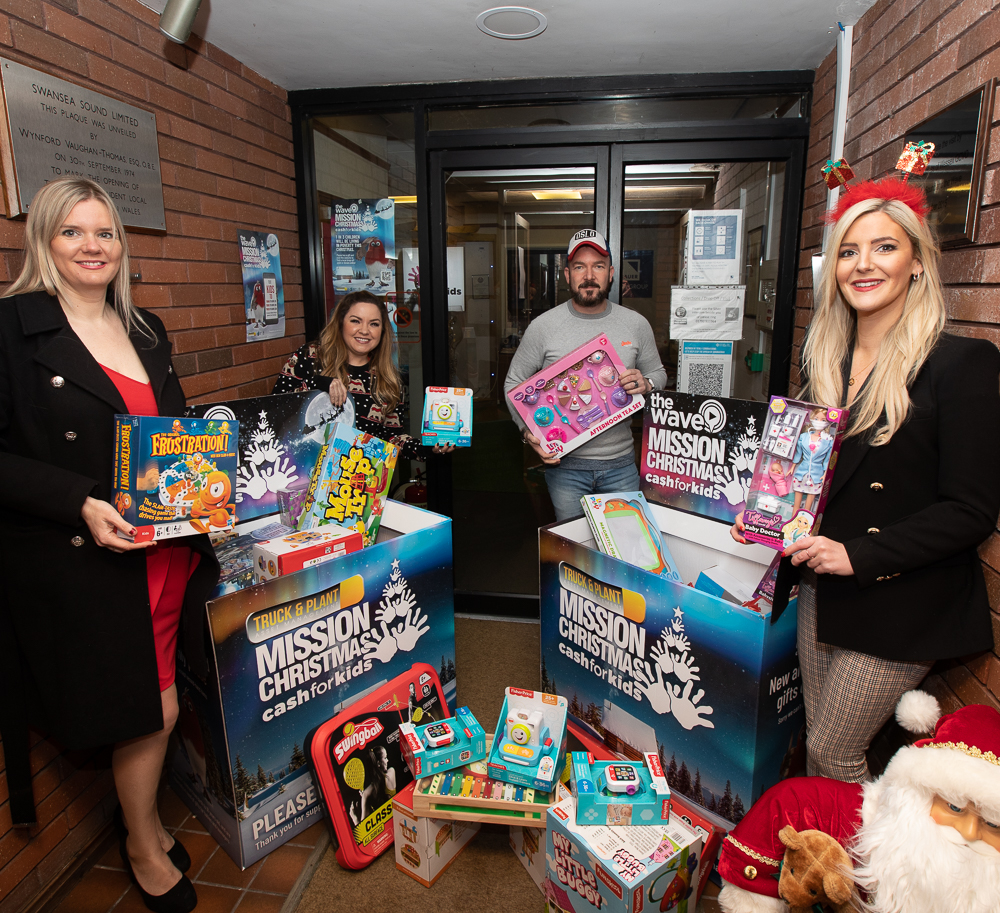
(706, 380)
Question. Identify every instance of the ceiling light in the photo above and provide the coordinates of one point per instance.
(511, 22)
(557, 194)
(403, 199)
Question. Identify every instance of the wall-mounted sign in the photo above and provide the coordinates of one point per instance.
(50, 128)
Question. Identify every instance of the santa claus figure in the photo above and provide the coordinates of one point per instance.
(924, 837)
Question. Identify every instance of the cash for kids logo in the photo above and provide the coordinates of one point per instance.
(600, 626)
(685, 446)
(356, 736)
(173, 443)
(305, 648)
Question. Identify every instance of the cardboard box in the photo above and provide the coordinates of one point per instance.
(623, 527)
(529, 744)
(619, 869)
(648, 662)
(305, 548)
(447, 417)
(712, 831)
(721, 583)
(425, 847)
(526, 842)
(466, 744)
(174, 477)
(644, 801)
(288, 655)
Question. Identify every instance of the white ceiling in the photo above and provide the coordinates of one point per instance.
(305, 44)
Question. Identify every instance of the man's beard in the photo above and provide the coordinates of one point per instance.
(908, 863)
(582, 299)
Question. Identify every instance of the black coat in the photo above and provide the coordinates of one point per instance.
(911, 514)
(77, 657)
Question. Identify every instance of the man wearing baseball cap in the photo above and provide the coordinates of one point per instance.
(606, 463)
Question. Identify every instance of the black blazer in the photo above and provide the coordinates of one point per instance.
(911, 514)
(77, 657)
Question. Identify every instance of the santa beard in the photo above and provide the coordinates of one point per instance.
(908, 863)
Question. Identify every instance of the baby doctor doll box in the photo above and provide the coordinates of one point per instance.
(794, 469)
(575, 398)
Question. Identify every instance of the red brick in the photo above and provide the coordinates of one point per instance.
(201, 384)
(191, 296)
(965, 15)
(77, 30)
(210, 317)
(26, 10)
(177, 151)
(932, 10)
(193, 179)
(135, 58)
(969, 688)
(184, 129)
(157, 271)
(199, 227)
(181, 200)
(191, 249)
(961, 267)
(199, 65)
(125, 82)
(173, 102)
(207, 272)
(209, 161)
(193, 340)
(150, 296)
(104, 14)
(49, 48)
(174, 319)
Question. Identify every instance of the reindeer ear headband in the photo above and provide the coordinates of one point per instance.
(914, 160)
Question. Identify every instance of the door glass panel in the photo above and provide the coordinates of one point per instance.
(680, 259)
(507, 233)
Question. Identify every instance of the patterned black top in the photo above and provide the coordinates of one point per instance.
(302, 372)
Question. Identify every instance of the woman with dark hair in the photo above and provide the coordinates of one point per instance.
(354, 355)
(894, 582)
(89, 621)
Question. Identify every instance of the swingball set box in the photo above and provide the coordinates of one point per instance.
(438, 746)
(447, 417)
(622, 869)
(357, 761)
(575, 398)
(175, 476)
(794, 470)
(620, 792)
(529, 745)
(425, 847)
(290, 654)
(655, 665)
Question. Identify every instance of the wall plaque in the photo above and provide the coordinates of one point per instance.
(50, 127)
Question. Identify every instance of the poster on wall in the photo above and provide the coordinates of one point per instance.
(263, 292)
(706, 313)
(364, 246)
(699, 452)
(637, 274)
(714, 247)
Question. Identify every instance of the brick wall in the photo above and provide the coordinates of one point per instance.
(226, 156)
(911, 59)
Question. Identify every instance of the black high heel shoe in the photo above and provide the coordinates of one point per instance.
(177, 854)
(181, 898)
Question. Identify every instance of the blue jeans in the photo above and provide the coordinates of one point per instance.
(566, 486)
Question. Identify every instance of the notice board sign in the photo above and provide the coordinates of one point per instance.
(50, 128)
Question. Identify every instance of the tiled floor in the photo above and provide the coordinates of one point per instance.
(265, 887)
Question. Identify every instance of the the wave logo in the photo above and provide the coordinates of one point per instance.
(713, 414)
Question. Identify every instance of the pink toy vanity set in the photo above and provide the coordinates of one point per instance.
(795, 463)
(576, 398)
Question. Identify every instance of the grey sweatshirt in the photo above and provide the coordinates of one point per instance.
(561, 330)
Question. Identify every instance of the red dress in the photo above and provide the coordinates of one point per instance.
(168, 567)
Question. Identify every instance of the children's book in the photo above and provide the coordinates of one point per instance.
(350, 483)
(624, 528)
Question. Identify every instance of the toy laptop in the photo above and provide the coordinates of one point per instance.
(575, 398)
(358, 766)
(791, 479)
(624, 527)
(530, 741)
(444, 744)
(174, 476)
(350, 483)
(447, 416)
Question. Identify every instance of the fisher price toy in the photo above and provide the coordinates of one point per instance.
(619, 792)
(447, 417)
(575, 398)
(531, 735)
(444, 745)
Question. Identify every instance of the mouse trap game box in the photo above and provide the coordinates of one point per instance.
(175, 476)
(357, 761)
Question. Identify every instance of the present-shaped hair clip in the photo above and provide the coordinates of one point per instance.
(915, 158)
(837, 173)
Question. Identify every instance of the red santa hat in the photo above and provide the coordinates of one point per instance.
(960, 762)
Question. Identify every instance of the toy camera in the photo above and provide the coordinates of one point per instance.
(530, 737)
(447, 416)
(530, 731)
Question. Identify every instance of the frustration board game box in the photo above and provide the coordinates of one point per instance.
(305, 548)
(447, 416)
(174, 476)
(575, 398)
(350, 483)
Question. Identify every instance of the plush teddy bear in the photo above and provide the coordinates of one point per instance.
(815, 874)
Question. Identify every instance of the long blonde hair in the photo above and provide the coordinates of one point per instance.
(903, 349)
(49, 210)
(387, 385)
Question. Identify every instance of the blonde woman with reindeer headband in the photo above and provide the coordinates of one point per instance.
(894, 582)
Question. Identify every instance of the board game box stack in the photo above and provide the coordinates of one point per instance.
(174, 476)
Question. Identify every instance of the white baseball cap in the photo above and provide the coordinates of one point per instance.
(587, 237)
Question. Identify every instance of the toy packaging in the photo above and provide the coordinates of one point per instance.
(620, 792)
(174, 476)
(350, 483)
(791, 479)
(622, 869)
(530, 739)
(712, 833)
(443, 745)
(725, 585)
(624, 527)
(358, 765)
(305, 548)
(575, 398)
(425, 847)
(526, 842)
(447, 416)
